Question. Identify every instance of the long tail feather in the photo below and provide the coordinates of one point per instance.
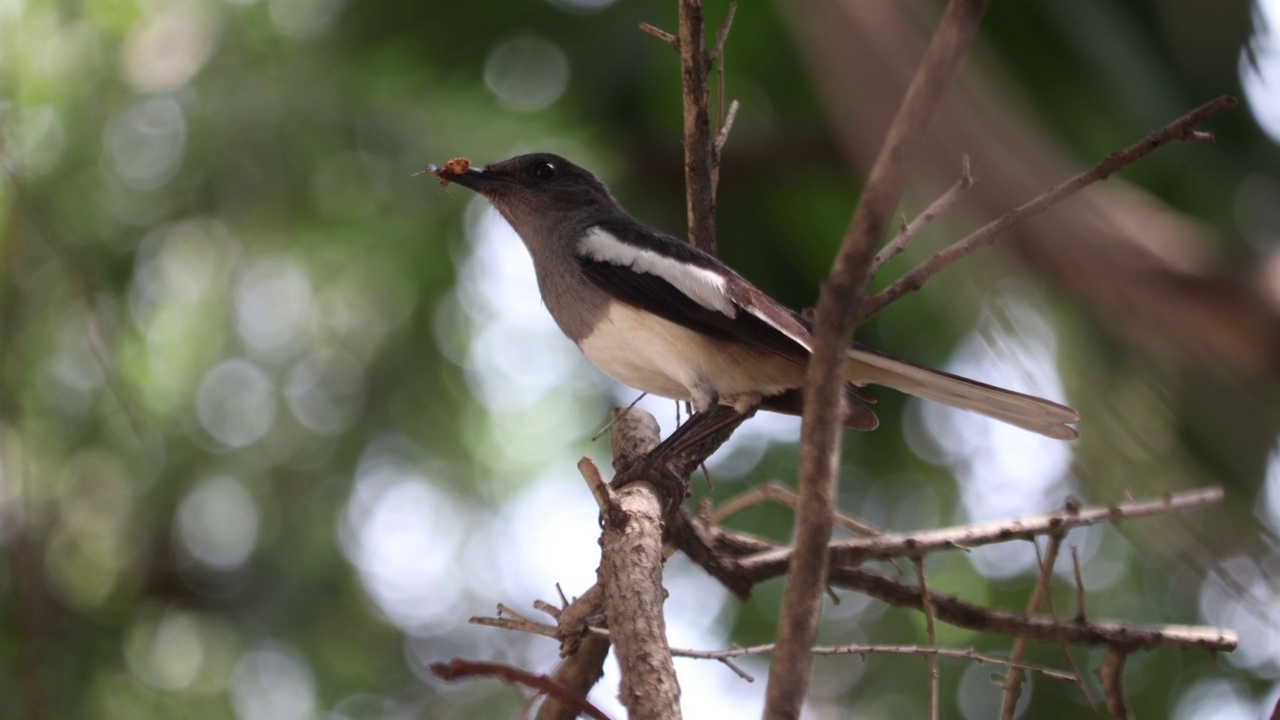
(1025, 411)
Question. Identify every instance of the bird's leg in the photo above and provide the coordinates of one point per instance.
(677, 457)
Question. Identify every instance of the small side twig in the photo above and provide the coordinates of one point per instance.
(459, 669)
(1013, 681)
(1081, 612)
(909, 231)
(770, 492)
(932, 635)
(662, 35)
(1112, 675)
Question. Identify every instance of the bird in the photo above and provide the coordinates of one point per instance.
(663, 317)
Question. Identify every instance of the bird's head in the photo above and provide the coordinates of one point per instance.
(542, 195)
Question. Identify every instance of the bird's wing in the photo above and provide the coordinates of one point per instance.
(673, 280)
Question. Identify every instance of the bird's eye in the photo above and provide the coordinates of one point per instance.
(544, 171)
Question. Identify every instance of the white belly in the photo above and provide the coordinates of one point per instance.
(660, 357)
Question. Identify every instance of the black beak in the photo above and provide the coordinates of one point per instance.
(474, 179)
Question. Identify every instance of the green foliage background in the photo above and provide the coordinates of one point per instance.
(166, 161)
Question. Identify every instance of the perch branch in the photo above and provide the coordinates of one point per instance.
(631, 563)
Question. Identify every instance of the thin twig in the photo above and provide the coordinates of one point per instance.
(888, 545)
(909, 231)
(1062, 644)
(662, 35)
(721, 552)
(1094, 633)
(863, 650)
(528, 626)
(717, 55)
(1112, 675)
(932, 634)
(723, 136)
(1181, 129)
(615, 417)
(770, 492)
(834, 325)
(459, 669)
(1013, 681)
(1081, 612)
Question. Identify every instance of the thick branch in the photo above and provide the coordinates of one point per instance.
(833, 331)
(630, 572)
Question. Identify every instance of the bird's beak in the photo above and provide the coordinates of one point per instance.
(477, 179)
(459, 170)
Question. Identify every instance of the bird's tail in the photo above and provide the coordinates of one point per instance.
(1025, 411)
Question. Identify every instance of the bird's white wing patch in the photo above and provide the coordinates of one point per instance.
(703, 286)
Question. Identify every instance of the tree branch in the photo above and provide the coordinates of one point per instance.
(854, 551)
(1181, 129)
(1112, 675)
(631, 563)
(578, 673)
(698, 153)
(1013, 681)
(945, 202)
(833, 331)
(969, 654)
(726, 546)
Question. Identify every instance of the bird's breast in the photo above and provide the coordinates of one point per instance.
(657, 356)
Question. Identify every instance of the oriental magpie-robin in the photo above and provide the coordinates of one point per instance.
(661, 316)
